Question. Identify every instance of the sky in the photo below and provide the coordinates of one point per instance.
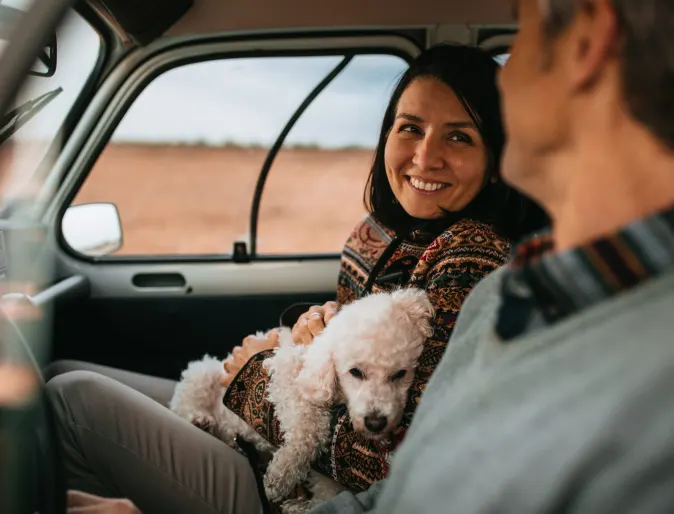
(241, 101)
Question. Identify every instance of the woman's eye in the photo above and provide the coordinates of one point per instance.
(399, 375)
(459, 137)
(410, 129)
(356, 373)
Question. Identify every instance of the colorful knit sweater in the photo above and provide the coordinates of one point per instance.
(446, 266)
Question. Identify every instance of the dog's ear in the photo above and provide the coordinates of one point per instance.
(317, 382)
(417, 306)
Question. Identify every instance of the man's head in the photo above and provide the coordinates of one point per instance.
(578, 68)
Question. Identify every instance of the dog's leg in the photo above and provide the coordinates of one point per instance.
(323, 488)
(303, 441)
(299, 506)
(231, 426)
(198, 394)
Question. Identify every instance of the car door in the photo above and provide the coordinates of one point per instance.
(213, 183)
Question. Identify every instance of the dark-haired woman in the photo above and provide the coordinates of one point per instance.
(440, 219)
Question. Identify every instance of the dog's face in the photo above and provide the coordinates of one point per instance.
(366, 357)
(375, 392)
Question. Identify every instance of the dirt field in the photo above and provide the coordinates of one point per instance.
(191, 200)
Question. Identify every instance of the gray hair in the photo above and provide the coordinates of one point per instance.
(647, 53)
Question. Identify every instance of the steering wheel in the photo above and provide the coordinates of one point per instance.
(36, 481)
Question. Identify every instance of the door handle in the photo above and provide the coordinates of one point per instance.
(159, 281)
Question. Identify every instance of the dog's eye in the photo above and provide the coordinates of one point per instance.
(356, 373)
(399, 375)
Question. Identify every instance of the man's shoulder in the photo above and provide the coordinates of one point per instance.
(610, 370)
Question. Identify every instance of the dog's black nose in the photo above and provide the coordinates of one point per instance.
(375, 423)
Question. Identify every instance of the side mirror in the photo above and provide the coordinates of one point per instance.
(93, 229)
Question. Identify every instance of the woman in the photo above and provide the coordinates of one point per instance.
(441, 219)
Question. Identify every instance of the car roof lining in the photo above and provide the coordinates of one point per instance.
(141, 20)
(209, 16)
(145, 20)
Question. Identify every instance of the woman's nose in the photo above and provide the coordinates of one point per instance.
(428, 155)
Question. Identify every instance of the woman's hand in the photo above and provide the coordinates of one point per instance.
(313, 322)
(241, 354)
(83, 503)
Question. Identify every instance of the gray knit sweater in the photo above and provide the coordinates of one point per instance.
(573, 418)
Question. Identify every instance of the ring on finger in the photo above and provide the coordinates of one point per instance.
(315, 315)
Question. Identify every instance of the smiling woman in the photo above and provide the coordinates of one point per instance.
(439, 148)
(436, 160)
(440, 220)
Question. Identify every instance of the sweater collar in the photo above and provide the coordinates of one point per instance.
(559, 284)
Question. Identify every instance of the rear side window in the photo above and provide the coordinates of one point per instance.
(183, 166)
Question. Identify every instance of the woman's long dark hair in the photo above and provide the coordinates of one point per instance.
(471, 73)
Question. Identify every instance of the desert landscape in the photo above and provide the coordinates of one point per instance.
(176, 199)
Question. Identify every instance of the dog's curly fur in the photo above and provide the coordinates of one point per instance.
(364, 358)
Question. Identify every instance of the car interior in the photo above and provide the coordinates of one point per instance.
(154, 312)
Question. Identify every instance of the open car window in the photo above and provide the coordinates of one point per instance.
(239, 158)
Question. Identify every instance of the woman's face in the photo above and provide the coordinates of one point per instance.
(435, 157)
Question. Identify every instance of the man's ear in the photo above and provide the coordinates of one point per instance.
(592, 40)
(416, 306)
(317, 380)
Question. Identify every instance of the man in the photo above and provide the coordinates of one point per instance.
(555, 394)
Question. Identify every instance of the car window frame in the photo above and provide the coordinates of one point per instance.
(65, 130)
(115, 117)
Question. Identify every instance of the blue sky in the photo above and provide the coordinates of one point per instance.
(248, 101)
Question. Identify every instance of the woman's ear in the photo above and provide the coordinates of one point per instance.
(317, 382)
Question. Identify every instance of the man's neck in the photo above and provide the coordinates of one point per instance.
(604, 185)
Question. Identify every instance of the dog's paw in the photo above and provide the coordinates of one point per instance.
(322, 487)
(205, 423)
(299, 506)
(278, 486)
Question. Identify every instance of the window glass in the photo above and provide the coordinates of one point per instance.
(43, 103)
(182, 166)
(314, 193)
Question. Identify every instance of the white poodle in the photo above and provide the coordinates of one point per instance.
(365, 358)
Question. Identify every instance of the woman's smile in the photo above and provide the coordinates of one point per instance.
(424, 186)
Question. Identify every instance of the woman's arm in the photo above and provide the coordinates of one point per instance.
(313, 322)
(309, 325)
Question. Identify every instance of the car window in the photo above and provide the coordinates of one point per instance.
(24, 147)
(183, 164)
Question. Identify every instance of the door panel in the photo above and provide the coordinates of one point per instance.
(157, 330)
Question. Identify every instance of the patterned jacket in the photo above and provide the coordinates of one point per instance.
(446, 266)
